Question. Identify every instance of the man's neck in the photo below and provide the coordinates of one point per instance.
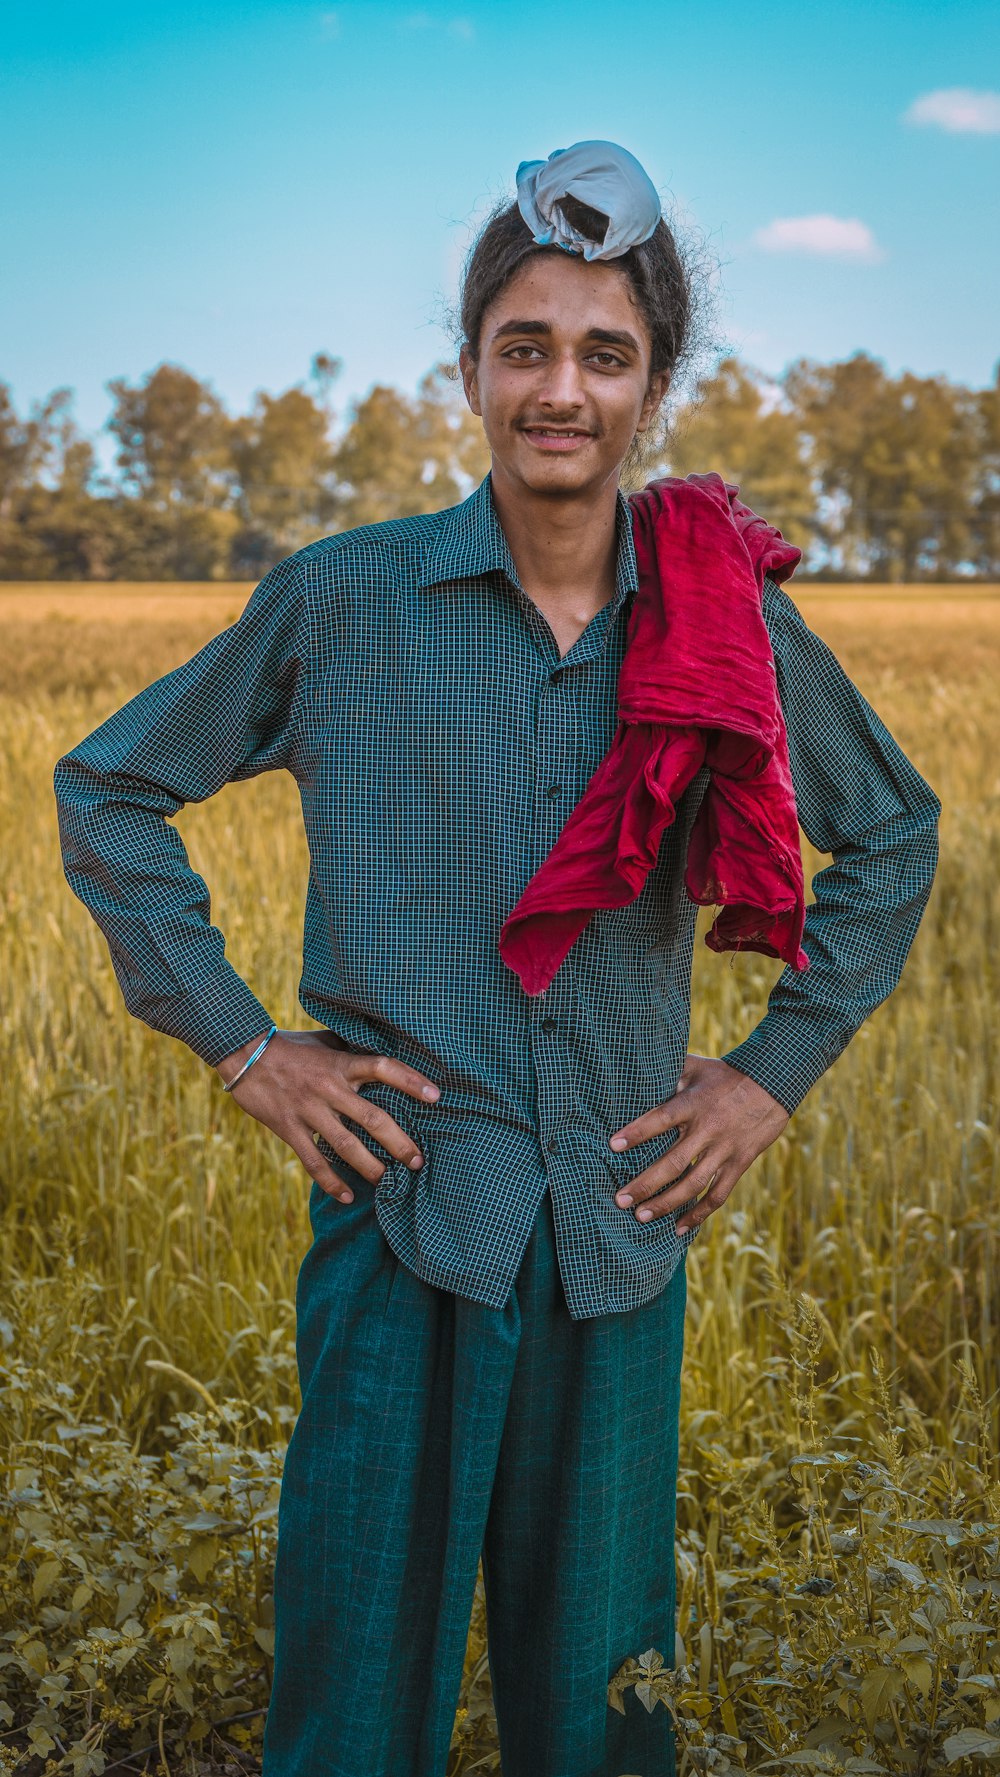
(565, 551)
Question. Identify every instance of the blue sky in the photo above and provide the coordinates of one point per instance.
(234, 187)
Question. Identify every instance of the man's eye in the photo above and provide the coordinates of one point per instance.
(607, 359)
(523, 352)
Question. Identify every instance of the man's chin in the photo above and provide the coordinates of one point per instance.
(558, 476)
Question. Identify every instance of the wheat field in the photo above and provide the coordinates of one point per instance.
(843, 1315)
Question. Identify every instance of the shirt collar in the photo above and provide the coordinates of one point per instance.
(470, 541)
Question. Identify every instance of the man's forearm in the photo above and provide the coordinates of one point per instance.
(858, 932)
(130, 869)
(227, 714)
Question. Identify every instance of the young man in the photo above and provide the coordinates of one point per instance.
(491, 1313)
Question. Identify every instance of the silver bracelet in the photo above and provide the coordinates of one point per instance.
(248, 1064)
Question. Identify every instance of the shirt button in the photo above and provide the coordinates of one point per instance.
(554, 790)
(549, 1024)
(552, 1145)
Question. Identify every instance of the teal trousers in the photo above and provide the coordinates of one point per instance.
(433, 1431)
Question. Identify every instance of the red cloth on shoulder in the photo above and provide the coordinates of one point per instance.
(697, 686)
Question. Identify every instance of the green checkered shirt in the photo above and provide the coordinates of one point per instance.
(417, 696)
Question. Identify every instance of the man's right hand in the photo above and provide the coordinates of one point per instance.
(306, 1083)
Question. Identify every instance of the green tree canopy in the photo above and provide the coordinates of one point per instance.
(284, 463)
(874, 476)
(401, 456)
(895, 464)
(176, 473)
(739, 424)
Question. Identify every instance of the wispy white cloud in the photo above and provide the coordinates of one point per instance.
(329, 24)
(959, 110)
(826, 237)
(462, 28)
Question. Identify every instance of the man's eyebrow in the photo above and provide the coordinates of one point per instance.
(507, 327)
(611, 337)
(606, 335)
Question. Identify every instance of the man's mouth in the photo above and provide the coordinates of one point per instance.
(556, 437)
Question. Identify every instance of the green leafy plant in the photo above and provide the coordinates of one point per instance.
(136, 1587)
(863, 1633)
(136, 1613)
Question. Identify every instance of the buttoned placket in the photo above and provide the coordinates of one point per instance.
(552, 1011)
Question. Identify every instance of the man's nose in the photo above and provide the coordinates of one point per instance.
(563, 386)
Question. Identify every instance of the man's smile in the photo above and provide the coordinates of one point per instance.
(556, 437)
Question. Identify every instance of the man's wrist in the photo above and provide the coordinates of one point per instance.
(231, 1065)
(788, 1051)
(328, 1038)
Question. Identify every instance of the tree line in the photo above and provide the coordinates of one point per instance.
(874, 476)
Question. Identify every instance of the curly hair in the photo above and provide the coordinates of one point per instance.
(662, 281)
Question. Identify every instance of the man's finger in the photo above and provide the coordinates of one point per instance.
(344, 1145)
(303, 1146)
(671, 1114)
(707, 1205)
(691, 1185)
(394, 1073)
(670, 1167)
(382, 1127)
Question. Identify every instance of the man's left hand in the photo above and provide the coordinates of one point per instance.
(726, 1120)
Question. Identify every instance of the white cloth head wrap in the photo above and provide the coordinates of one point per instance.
(599, 174)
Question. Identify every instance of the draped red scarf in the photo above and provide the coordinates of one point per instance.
(696, 687)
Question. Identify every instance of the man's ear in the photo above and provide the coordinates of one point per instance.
(470, 379)
(658, 386)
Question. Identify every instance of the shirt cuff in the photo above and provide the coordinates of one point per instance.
(785, 1056)
(216, 1020)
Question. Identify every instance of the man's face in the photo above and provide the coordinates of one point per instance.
(563, 382)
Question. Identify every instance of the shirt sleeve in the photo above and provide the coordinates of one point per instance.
(229, 713)
(861, 800)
